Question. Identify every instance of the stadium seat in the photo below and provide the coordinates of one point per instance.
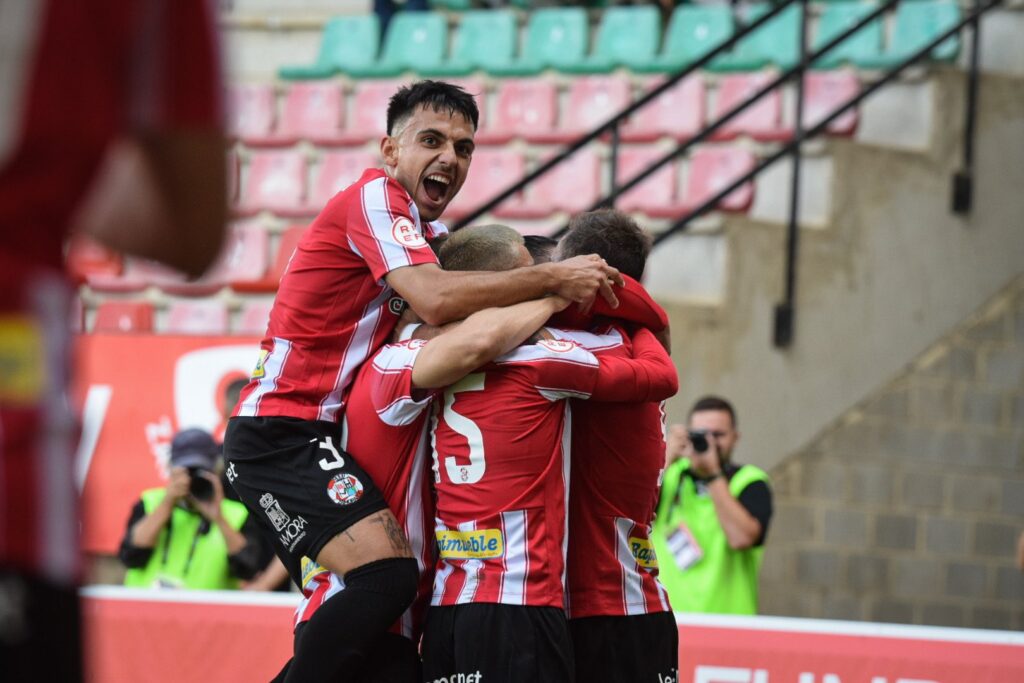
(524, 106)
(486, 39)
(454, 5)
(197, 317)
(711, 170)
(493, 170)
(338, 170)
(254, 316)
(693, 31)
(276, 182)
(655, 196)
(824, 92)
(592, 101)
(917, 24)
(678, 112)
(123, 316)
(268, 283)
(88, 258)
(775, 42)
(761, 120)
(478, 89)
(251, 111)
(311, 111)
(863, 45)
(555, 37)
(138, 274)
(628, 36)
(414, 40)
(573, 186)
(348, 42)
(369, 112)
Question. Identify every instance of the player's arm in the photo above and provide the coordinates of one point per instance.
(648, 376)
(439, 296)
(481, 338)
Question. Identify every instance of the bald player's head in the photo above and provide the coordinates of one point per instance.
(484, 247)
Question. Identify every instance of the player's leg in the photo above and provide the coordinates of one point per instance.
(642, 648)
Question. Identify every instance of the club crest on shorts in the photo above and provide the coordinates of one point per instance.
(407, 234)
(345, 489)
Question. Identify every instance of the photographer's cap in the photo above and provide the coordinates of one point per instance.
(194, 448)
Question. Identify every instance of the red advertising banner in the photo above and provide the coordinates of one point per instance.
(136, 392)
(135, 635)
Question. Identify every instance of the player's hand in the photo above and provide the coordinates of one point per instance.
(210, 509)
(582, 278)
(177, 485)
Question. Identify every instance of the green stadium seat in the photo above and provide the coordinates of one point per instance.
(775, 42)
(452, 5)
(486, 39)
(917, 24)
(863, 45)
(555, 38)
(628, 36)
(347, 42)
(693, 31)
(414, 40)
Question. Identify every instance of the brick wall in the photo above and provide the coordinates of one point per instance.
(909, 508)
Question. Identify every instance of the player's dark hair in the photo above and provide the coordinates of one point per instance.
(541, 248)
(482, 247)
(437, 95)
(714, 403)
(610, 234)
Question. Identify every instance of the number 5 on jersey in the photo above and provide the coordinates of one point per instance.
(474, 471)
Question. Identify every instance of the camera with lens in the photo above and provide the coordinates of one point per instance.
(699, 440)
(199, 487)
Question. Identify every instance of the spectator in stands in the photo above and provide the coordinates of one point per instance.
(712, 517)
(541, 248)
(186, 535)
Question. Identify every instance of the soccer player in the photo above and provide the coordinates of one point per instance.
(336, 304)
(500, 441)
(109, 111)
(619, 615)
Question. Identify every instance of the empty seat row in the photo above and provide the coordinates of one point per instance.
(199, 317)
(558, 38)
(528, 108)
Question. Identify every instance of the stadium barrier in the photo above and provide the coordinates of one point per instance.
(140, 635)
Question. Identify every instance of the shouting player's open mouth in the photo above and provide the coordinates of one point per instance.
(438, 188)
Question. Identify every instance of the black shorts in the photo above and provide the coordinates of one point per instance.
(490, 643)
(40, 629)
(297, 482)
(391, 659)
(643, 648)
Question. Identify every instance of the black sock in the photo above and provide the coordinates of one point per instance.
(343, 630)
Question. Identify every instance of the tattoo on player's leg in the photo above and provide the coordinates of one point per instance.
(399, 543)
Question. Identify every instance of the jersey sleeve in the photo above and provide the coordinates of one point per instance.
(392, 393)
(648, 376)
(635, 306)
(383, 231)
(557, 368)
(174, 74)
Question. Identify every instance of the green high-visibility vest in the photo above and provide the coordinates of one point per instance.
(723, 580)
(208, 566)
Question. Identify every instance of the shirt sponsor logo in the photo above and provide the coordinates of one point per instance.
(557, 345)
(481, 544)
(22, 370)
(407, 234)
(259, 372)
(345, 489)
(643, 552)
(309, 568)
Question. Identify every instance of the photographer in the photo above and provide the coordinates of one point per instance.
(187, 535)
(712, 517)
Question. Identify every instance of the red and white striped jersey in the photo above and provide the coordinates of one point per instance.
(74, 77)
(334, 308)
(618, 456)
(385, 430)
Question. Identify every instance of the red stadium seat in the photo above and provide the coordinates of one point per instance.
(678, 112)
(254, 317)
(592, 101)
(525, 106)
(478, 90)
(277, 182)
(311, 111)
(573, 186)
(243, 258)
(714, 168)
(655, 196)
(268, 283)
(88, 258)
(369, 112)
(197, 317)
(123, 316)
(251, 111)
(493, 170)
(138, 274)
(762, 120)
(824, 91)
(338, 170)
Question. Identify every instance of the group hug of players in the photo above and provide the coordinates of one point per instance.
(457, 444)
